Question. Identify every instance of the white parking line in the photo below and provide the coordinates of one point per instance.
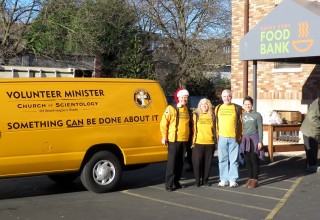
(219, 200)
(272, 187)
(247, 194)
(271, 213)
(182, 206)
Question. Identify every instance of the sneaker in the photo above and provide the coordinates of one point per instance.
(196, 185)
(223, 183)
(233, 184)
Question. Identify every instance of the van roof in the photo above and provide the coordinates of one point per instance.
(114, 80)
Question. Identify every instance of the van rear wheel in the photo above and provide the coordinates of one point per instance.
(101, 173)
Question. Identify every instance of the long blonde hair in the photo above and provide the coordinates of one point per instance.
(206, 101)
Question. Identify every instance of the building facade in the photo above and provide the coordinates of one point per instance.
(280, 85)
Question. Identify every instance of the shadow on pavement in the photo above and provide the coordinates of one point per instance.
(284, 167)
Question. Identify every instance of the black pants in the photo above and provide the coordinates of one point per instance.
(201, 159)
(189, 155)
(252, 163)
(176, 154)
(311, 149)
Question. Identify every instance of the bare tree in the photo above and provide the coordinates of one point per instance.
(15, 16)
(188, 30)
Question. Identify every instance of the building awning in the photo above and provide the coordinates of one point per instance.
(289, 33)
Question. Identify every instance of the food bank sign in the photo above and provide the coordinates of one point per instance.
(284, 34)
(279, 40)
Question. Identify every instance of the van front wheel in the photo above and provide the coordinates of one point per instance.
(101, 173)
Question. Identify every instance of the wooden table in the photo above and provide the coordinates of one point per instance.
(284, 146)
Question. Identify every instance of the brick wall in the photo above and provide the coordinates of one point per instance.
(287, 90)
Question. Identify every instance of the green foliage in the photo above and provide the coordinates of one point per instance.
(224, 82)
(50, 32)
(169, 84)
(107, 29)
(202, 87)
(92, 27)
(136, 63)
(103, 27)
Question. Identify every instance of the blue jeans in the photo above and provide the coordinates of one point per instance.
(228, 152)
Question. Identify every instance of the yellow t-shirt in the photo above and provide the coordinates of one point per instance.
(227, 121)
(183, 126)
(205, 130)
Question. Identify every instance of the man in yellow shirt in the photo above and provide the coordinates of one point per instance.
(229, 129)
(175, 131)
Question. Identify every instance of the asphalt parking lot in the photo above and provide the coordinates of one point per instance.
(286, 191)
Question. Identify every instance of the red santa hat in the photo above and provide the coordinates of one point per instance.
(183, 92)
(175, 95)
(180, 92)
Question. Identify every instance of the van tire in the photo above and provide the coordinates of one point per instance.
(102, 172)
(63, 179)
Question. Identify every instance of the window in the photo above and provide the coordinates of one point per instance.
(282, 65)
(286, 67)
(227, 49)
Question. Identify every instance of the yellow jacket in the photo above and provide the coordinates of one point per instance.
(173, 129)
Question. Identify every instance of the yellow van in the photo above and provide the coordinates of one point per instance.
(94, 128)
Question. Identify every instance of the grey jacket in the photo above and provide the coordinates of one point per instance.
(311, 124)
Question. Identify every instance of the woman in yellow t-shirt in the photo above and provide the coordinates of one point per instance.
(203, 143)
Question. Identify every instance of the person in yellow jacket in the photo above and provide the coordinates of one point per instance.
(175, 131)
(203, 142)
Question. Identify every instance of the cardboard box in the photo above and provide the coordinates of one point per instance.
(290, 117)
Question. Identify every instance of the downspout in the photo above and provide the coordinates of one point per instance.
(245, 62)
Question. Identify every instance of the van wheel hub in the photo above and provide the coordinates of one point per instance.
(103, 172)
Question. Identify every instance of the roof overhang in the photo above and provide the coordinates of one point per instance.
(289, 33)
